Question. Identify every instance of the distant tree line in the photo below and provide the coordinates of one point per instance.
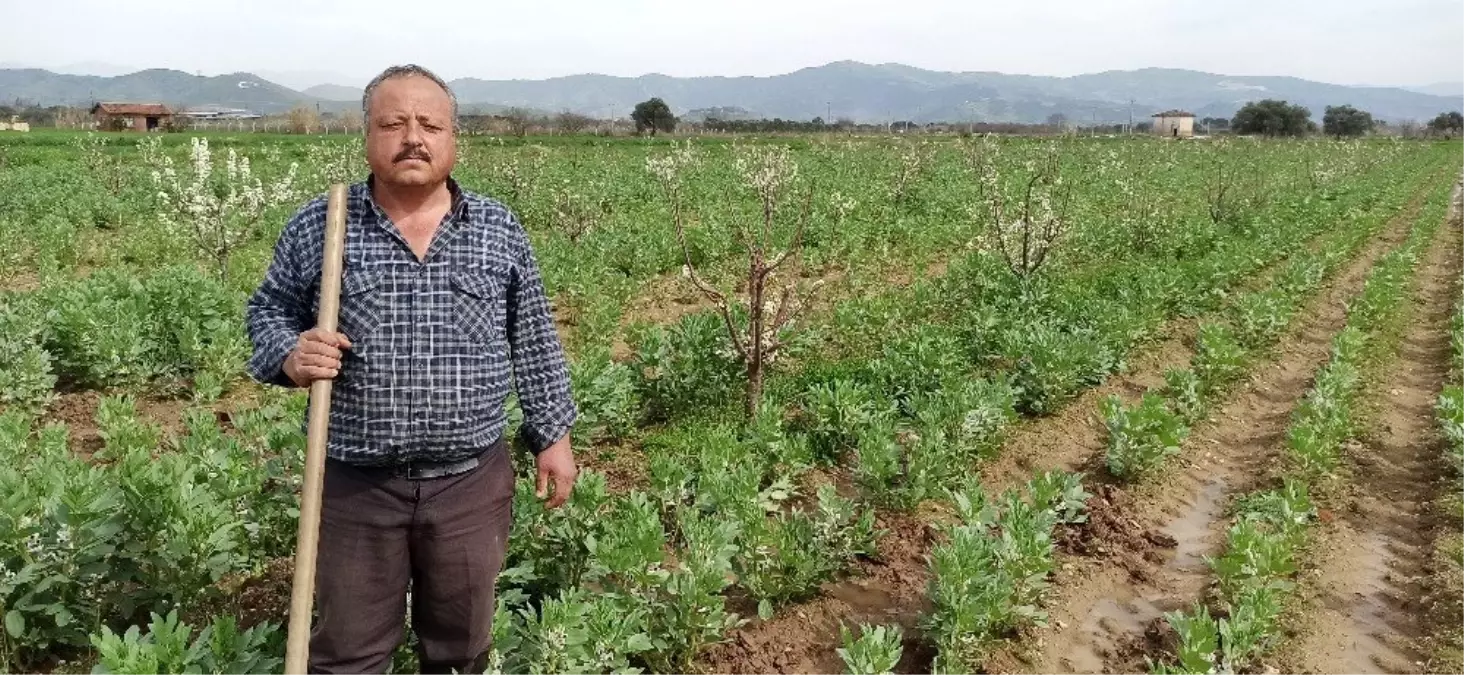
(42, 116)
(524, 122)
(775, 125)
(1269, 117)
(1447, 124)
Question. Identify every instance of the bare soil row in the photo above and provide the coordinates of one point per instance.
(1365, 596)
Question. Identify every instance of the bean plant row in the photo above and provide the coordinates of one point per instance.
(1257, 568)
(1142, 436)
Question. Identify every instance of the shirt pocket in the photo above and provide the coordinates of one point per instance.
(478, 307)
(361, 305)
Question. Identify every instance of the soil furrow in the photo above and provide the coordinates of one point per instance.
(892, 590)
(1364, 614)
(1106, 616)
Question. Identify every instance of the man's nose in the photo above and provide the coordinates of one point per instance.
(413, 136)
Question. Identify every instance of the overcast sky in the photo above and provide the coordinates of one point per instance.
(1393, 42)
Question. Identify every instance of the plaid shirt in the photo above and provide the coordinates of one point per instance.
(434, 341)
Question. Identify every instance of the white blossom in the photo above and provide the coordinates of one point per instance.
(767, 169)
(218, 213)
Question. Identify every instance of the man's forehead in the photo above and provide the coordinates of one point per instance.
(409, 91)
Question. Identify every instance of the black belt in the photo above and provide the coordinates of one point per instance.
(424, 470)
(427, 470)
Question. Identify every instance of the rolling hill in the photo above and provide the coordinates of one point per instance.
(867, 92)
(1451, 89)
(333, 92)
(172, 87)
(844, 89)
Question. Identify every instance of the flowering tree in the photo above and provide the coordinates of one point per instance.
(218, 211)
(773, 298)
(102, 165)
(915, 160)
(1025, 225)
(330, 161)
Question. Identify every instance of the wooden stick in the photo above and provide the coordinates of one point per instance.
(302, 594)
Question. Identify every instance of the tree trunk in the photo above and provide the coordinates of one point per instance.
(755, 278)
(754, 387)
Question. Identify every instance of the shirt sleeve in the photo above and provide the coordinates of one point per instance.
(279, 310)
(540, 368)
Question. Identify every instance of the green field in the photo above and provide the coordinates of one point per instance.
(144, 474)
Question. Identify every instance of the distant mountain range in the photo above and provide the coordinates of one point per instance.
(171, 87)
(1453, 89)
(844, 89)
(334, 92)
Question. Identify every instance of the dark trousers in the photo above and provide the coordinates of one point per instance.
(378, 531)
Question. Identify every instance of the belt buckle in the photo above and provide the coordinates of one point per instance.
(415, 471)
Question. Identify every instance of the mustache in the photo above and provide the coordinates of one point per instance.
(412, 153)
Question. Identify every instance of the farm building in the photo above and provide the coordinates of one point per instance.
(1174, 123)
(14, 124)
(131, 116)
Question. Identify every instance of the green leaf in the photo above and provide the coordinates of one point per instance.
(765, 609)
(14, 623)
(638, 643)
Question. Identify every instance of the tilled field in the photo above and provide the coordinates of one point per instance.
(1200, 430)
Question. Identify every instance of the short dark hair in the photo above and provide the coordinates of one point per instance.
(407, 70)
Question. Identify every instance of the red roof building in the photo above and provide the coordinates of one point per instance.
(130, 116)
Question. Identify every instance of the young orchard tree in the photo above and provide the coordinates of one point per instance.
(915, 160)
(334, 162)
(773, 297)
(102, 165)
(1025, 226)
(218, 211)
(577, 214)
(1230, 191)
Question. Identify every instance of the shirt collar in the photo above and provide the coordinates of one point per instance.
(459, 199)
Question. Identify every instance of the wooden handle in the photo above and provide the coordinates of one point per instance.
(302, 594)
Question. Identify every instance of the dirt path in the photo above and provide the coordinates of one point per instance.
(892, 589)
(1105, 616)
(1365, 616)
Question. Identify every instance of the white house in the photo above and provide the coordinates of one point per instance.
(1174, 124)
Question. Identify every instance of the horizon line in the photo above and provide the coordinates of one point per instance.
(54, 70)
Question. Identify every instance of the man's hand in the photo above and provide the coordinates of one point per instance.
(556, 462)
(317, 356)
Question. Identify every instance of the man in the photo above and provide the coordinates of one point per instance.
(441, 300)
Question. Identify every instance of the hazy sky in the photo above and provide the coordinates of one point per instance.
(1393, 42)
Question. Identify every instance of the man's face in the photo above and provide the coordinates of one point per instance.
(409, 139)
